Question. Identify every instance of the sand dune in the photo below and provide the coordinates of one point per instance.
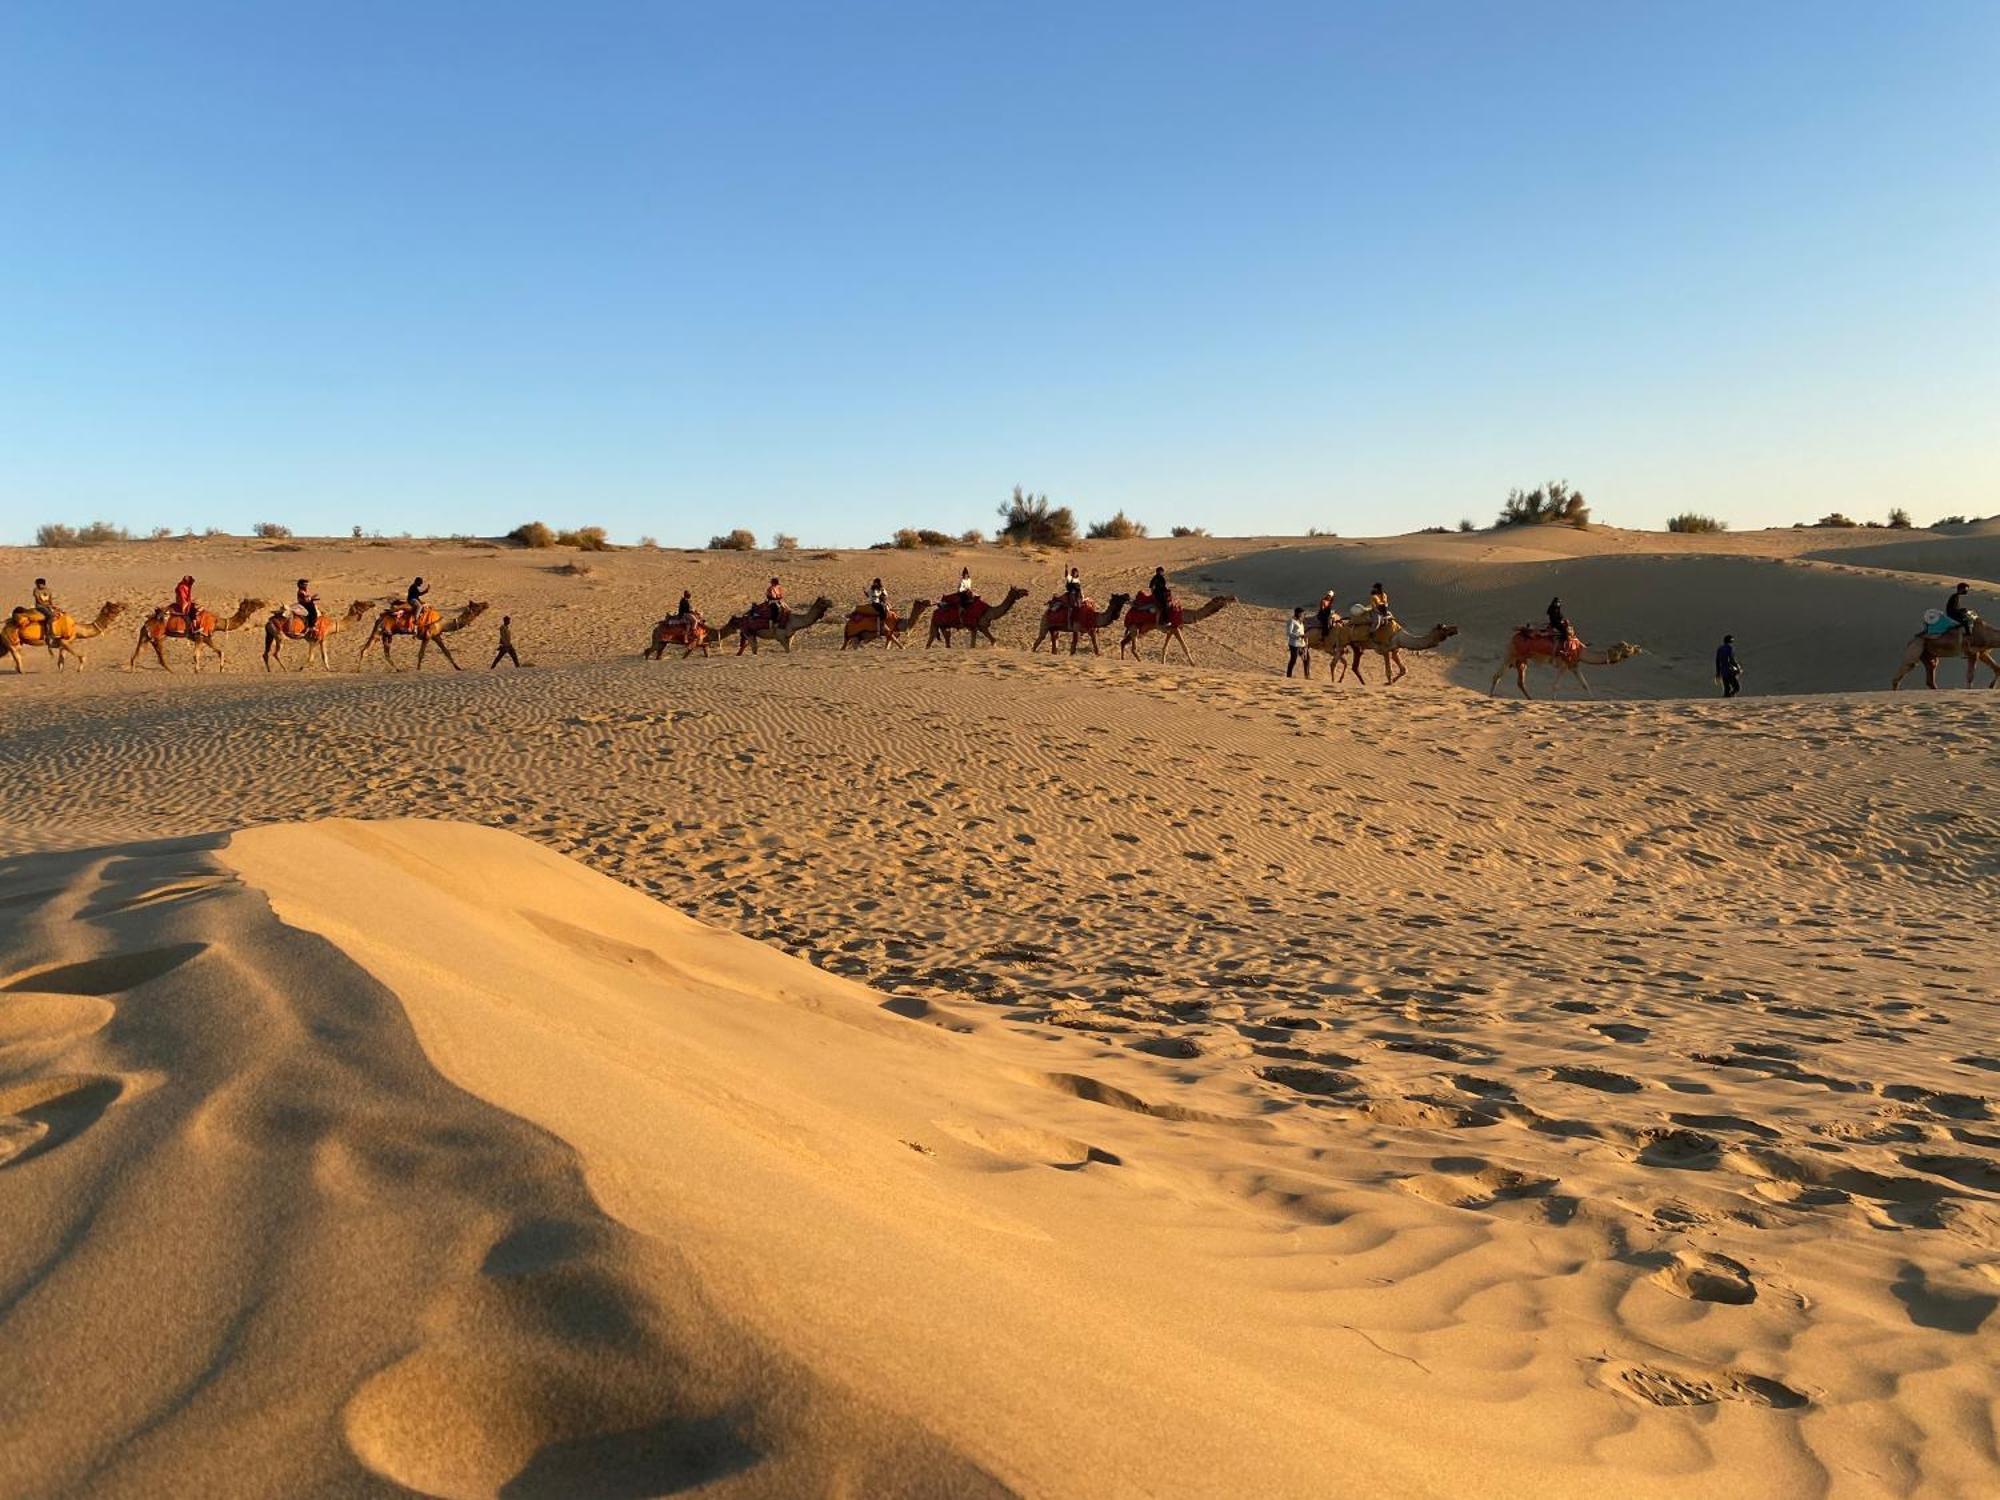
(1084, 1077)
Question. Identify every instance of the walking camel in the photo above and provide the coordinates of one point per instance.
(1084, 620)
(1142, 618)
(862, 626)
(287, 624)
(164, 624)
(1976, 643)
(690, 632)
(1528, 644)
(24, 627)
(754, 625)
(975, 620)
(1388, 640)
(427, 624)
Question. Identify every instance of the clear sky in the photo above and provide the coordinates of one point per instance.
(837, 268)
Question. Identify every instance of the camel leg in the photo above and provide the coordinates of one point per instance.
(1521, 677)
(1181, 641)
(1583, 682)
(439, 643)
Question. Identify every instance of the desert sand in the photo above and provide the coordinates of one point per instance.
(942, 1072)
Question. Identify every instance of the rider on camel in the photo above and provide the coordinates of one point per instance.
(1561, 632)
(184, 600)
(1378, 600)
(685, 609)
(45, 603)
(1956, 611)
(308, 604)
(413, 599)
(1325, 616)
(1072, 593)
(1161, 596)
(878, 600)
(774, 604)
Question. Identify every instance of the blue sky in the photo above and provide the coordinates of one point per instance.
(834, 269)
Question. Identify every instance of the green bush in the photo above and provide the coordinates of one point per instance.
(1120, 528)
(1029, 518)
(738, 540)
(531, 534)
(1547, 505)
(96, 534)
(1689, 521)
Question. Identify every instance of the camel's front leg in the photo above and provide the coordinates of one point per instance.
(440, 644)
(1521, 677)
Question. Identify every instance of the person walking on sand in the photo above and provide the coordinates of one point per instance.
(506, 643)
(1295, 639)
(1728, 670)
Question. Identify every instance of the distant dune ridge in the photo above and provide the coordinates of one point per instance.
(967, 1074)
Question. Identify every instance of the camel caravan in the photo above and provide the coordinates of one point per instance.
(1954, 632)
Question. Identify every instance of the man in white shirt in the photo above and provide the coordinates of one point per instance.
(1295, 639)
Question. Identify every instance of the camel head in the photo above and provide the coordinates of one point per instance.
(1621, 651)
(1014, 596)
(112, 610)
(357, 609)
(917, 609)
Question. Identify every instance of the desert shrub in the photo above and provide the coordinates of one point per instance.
(1690, 521)
(738, 540)
(1899, 520)
(1180, 531)
(921, 536)
(95, 534)
(1838, 521)
(650, 543)
(586, 539)
(1943, 521)
(1465, 524)
(1120, 528)
(785, 542)
(1320, 531)
(571, 569)
(1433, 530)
(1546, 505)
(1030, 518)
(527, 534)
(270, 531)
(972, 537)
(159, 533)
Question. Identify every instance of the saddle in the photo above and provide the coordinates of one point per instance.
(1937, 623)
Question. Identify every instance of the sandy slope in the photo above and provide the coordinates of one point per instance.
(1525, 1098)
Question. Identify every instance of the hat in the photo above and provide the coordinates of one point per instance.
(1728, 640)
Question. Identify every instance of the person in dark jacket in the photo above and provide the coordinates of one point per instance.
(506, 651)
(1728, 670)
(1955, 608)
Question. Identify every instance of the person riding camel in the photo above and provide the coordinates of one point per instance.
(413, 599)
(965, 594)
(1325, 616)
(45, 604)
(1378, 600)
(1162, 596)
(878, 600)
(774, 604)
(1955, 609)
(685, 609)
(1561, 632)
(184, 600)
(308, 604)
(1072, 593)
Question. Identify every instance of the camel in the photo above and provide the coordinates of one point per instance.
(287, 625)
(1058, 619)
(950, 616)
(690, 632)
(754, 625)
(1142, 618)
(24, 628)
(1389, 641)
(427, 624)
(861, 625)
(1929, 650)
(1527, 644)
(164, 624)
